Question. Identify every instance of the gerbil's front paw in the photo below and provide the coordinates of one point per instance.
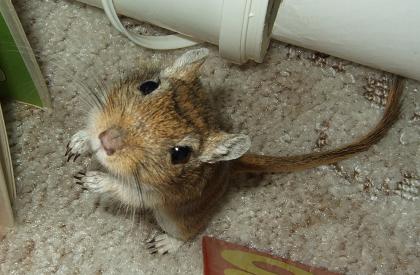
(93, 181)
(163, 244)
(78, 145)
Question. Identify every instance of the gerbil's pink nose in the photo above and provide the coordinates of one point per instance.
(111, 140)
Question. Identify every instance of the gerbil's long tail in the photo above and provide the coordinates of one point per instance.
(259, 163)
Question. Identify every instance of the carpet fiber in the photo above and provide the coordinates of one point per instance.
(361, 216)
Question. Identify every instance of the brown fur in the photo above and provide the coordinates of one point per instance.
(182, 196)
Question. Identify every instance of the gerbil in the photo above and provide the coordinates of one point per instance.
(163, 149)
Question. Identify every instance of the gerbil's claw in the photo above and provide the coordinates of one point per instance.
(69, 157)
(77, 155)
(94, 181)
(163, 244)
(79, 179)
(78, 145)
(152, 240)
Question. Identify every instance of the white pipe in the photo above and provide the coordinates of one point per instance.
(383, 34)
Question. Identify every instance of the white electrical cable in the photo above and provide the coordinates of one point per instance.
(166, 42)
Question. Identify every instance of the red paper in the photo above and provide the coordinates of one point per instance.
(223, 258)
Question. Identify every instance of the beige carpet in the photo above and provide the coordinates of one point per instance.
(360, 217)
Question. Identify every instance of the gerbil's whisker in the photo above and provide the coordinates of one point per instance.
(119, 207)
(127, 208)
(133, 217)
(138, 187)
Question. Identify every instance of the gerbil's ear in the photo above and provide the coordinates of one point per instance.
(222, 147)
(187, 65)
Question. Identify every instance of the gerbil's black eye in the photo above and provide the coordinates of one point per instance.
(180, 154)
(148, 86)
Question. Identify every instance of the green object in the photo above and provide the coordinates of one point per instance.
(20, 77)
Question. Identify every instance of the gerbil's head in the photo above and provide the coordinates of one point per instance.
(158, 126)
